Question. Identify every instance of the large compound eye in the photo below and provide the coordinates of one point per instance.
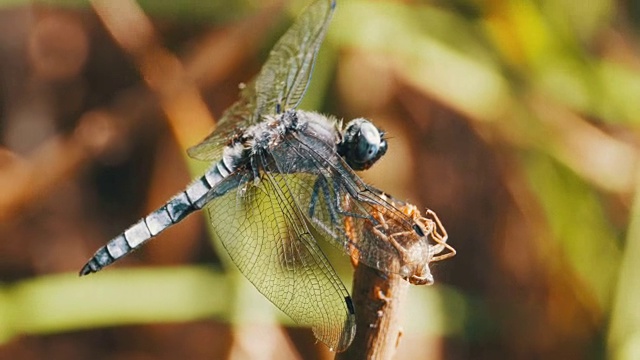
(362, 144)
(368, 142)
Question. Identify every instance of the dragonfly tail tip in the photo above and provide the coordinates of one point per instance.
(86, 270)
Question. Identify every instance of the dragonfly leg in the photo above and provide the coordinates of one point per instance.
(340, 210)
(334, 207)
(321, 186)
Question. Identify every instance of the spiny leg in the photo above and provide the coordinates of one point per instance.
(343, 212)
(320, 188)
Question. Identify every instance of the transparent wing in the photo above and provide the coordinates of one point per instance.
(267, 237)
(285, 76)
(233, 122)
(280, 84)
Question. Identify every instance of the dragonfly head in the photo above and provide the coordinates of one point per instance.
(362, 144)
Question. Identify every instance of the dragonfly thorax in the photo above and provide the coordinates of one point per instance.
(275, 129)
(269, 132)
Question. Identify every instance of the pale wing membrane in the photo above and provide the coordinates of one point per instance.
(340, 223)
(279, 86)
(233, 122)
(266, 236)
(285, 76)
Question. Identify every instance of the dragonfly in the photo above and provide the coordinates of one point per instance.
(281, 180)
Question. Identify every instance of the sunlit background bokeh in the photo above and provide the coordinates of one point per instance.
(517, 121)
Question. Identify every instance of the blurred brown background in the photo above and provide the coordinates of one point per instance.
(516, 121)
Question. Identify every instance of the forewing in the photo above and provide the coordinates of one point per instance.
(268, 239)
(279, 85)
(285, 76)
(234, 120)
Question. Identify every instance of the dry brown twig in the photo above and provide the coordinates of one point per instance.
(378, 298)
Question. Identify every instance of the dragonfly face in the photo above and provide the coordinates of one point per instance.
(276, 171)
